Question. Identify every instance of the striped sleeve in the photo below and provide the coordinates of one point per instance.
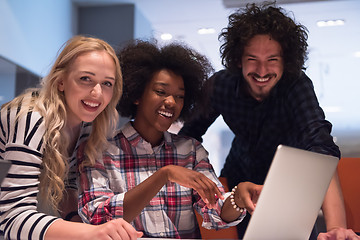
(21, 143)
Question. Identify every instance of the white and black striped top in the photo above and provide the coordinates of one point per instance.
(21, 142)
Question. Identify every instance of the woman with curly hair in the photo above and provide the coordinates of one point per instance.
(148, 175)
(40, 132)
(266, 99)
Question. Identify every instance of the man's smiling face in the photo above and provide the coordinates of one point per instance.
(262, 65)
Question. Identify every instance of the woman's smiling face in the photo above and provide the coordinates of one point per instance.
(88, 86)
(160, 105)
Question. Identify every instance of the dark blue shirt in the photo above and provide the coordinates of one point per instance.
(290, 115)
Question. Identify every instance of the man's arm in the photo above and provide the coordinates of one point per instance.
(334, 214)
(333, 205)
(316, 136)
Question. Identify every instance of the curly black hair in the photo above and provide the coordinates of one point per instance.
(253, 20)
(141, 60)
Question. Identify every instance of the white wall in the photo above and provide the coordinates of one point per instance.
(31, 32)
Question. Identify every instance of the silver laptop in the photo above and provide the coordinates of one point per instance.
(4, 168)
(292, 195)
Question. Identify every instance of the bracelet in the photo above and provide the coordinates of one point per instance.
(232, 201)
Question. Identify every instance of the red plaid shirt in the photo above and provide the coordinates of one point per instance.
(128, 161)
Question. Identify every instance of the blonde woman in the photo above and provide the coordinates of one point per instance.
(40, 132)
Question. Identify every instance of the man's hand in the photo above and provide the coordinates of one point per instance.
(339, 234)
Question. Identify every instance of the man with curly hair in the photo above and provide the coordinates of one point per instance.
(266, 99)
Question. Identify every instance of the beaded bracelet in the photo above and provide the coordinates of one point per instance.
(232, 201)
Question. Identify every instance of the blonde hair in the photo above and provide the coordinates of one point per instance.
(51, 104)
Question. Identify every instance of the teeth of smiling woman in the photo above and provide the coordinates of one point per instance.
(91, 104)
(166, 114)
(262, 79)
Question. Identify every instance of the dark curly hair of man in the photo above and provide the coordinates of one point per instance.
(141, 60)
(253, 20)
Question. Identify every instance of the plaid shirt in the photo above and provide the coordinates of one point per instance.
(129, 161)
(291, 115)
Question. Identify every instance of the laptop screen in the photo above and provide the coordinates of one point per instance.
(292, 195)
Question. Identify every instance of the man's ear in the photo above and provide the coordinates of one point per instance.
(61, 85)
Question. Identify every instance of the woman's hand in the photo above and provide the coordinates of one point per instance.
(247, 195)
(206, 188)
(117, 229)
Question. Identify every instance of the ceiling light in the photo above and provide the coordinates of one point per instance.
(357, 54)
(330, 23)
(206, 31)
(166, 36)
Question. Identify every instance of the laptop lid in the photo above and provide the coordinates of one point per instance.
(4, 168)
(292, 195)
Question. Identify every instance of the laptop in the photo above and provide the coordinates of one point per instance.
(292, 195)
(4, 168)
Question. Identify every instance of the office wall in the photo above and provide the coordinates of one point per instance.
(116, 24)
(32, 32)
(7, 80)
